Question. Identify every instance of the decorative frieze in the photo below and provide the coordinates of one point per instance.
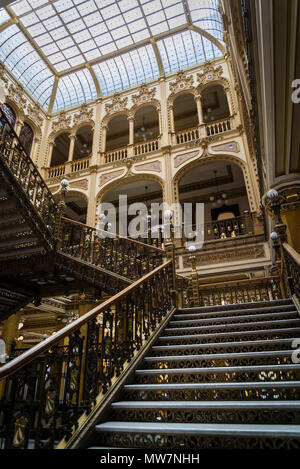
(84, 114)
(230, 146)
(16, 94)
(81, 184)
(33, 112)
(144, 95)
(182, 82)
(104, 178)
(180, 159)
(63, 122)
(117, 105)
(209, 73)
(151, 166)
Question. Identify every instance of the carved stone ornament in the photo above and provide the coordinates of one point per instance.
(144, 95)
(3, 76)
(230, 146)
(117, 104)
(180, 159)
(150, 166)
(81, 184)
(84, 114)
(104, 178)
(182, 81)
(33, 113)
(16, 94)
(63, 122)
(210, 73)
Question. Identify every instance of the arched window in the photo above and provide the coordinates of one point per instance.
(185, 112)
(26, 137)
(214, 103)
(83, 142)
(10, 114)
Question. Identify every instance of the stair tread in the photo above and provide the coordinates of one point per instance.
(199, 428)
(223, 344)
(230, 385)
(219, 369)
(235, 312)
(233, 306)
(206, 404)
(242, 324)
(215, 356)
(225, 334)
(237, 318)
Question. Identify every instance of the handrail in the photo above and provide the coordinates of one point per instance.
(60, 379)
(29, 177)
(27, 357)
(236, 282)
(294, 254)
(114, 235)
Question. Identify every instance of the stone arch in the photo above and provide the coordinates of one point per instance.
(124, 180)
(226, 87)
(207, 158)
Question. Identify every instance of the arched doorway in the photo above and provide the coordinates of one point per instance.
(60, 150)
(220, 186)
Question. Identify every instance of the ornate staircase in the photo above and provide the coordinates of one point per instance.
(134, 371)
(217, 377)
(43, 254)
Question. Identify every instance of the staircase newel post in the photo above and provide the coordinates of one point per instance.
(278, 237)
(170, 250)
(195, 284)
(60, 213)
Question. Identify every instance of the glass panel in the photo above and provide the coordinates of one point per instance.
(185, 50)
(74, 89)
(127, 70)
(205, 14)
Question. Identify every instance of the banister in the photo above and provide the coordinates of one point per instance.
(294, 254)
(3, 117)
(237, 282)
(27, 357)
(114, 235)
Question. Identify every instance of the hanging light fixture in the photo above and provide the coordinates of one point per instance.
(143, 131)
(219, 196)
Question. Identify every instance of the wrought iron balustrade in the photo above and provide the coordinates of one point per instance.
(211, 231)
(123, 256)
(239, 291)
(51, 385)
(291, 271)
(26, 173)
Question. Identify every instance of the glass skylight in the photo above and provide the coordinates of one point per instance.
(74, 89)
(127, 70)
(60, 37)
(184, 50)
(25, 63)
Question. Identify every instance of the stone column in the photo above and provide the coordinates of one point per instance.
(51, 146)
(104, 135)
(163, 115)
(71, 147)
(199, 109)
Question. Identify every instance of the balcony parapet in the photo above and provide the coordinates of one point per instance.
(67, 168)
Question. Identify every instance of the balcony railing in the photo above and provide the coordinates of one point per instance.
(116, 155)
(68, 167)
(146, 147)
(239, 291)
(218, 127)
(188, 135)
(212, 231)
